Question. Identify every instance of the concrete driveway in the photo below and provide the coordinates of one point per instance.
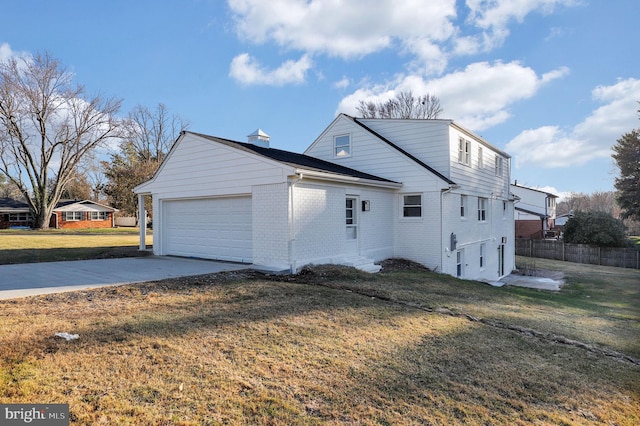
(54, 277)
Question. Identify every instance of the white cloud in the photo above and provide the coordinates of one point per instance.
(6, 53)
(478, 97)
(493, 17)
(344, 29)
(342, 84)
(247, 70)
(551, 146)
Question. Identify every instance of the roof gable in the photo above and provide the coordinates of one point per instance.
(400, 150)
(296, 160)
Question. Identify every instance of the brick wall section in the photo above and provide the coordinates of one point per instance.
(270, 225)
(528, 229)
(419, 239)
(320, 222)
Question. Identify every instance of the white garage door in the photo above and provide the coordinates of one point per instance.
(213, 228)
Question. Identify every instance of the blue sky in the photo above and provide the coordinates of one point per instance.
(553, 82)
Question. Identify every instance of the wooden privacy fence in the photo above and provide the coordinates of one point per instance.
(579, 253)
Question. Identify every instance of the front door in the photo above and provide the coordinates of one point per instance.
(351, 220)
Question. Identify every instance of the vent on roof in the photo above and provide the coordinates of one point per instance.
(259, 138)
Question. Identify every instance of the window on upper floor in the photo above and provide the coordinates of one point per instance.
(480, 158)
(463, 206)
(482, 209)
(464, 152)
(342, 146)
(412, 205)
(499, 166)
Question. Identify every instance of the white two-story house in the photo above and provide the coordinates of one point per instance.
(365, 190)
(535, 212)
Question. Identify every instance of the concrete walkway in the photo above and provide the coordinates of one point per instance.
(30, 279)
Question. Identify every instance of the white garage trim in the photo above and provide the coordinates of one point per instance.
(208, 228)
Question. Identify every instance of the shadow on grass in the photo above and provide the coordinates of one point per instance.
(16, 256)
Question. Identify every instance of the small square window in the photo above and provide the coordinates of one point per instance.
(412, 206)
(342, 146)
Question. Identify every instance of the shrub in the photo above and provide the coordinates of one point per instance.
(596, 228)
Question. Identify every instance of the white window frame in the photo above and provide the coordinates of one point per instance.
(499, 166)
(73, 216)
(460, 263)
(339, 146)
(483, 260)
(98, 216)
(19, 217)
(482, 209)
(480, 158)
(464, 151)
(404, 206)
(463, 207)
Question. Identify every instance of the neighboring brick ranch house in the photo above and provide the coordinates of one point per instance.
(365, 190)
(68, 214)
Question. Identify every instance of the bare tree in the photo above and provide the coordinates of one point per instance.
(151, 133)
(404, 105)
(47, 126)
(148, 139)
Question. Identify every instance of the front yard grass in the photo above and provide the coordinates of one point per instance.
(28, 246)
(332, 346)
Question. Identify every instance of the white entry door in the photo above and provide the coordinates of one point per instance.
(351, 220)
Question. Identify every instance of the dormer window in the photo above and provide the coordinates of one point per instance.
(342, 146)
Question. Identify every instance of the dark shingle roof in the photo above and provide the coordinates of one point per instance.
(295, 159)
(12, 204)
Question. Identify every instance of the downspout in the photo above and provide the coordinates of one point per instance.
(292, 226)
(446, 191)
